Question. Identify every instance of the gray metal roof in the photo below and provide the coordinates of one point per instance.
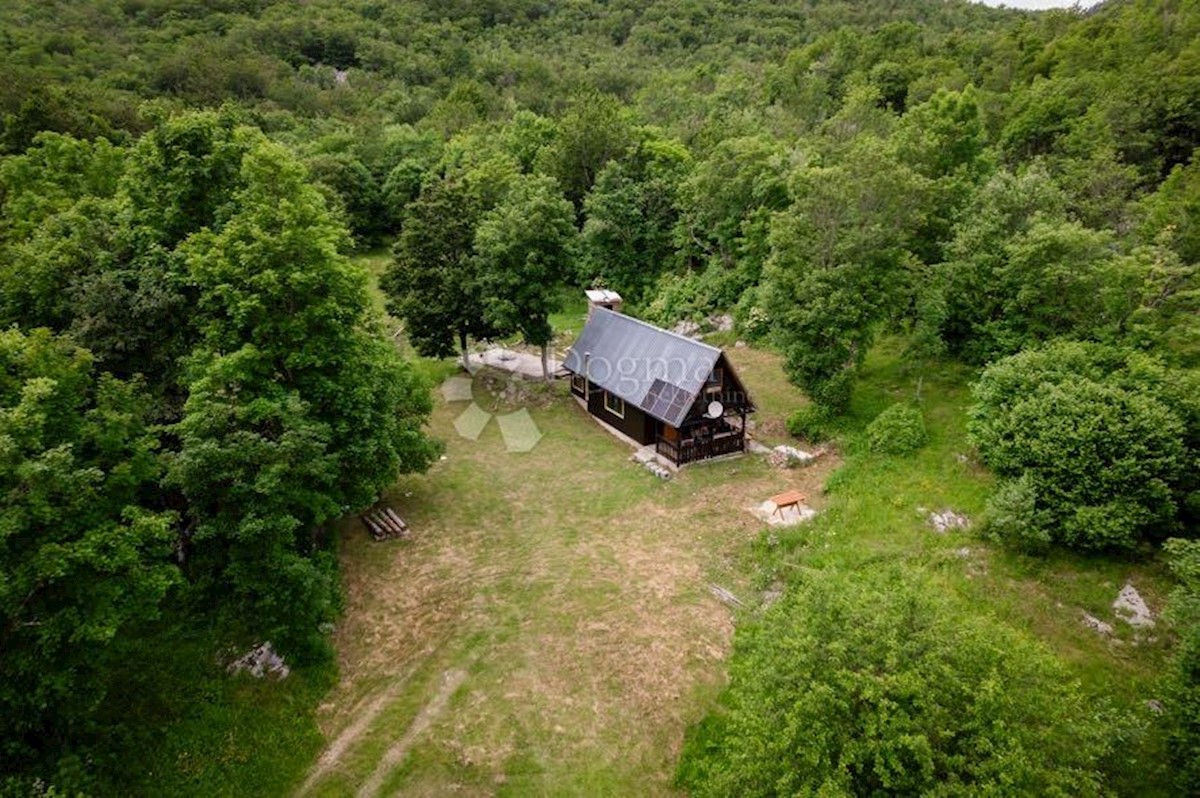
(659, 371)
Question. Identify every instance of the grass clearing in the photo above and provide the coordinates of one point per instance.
(549, 631)
(569, 585)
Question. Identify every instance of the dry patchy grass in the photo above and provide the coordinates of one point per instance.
(569, 585)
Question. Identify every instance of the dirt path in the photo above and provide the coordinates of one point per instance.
(362, 718)
(451, 681)
(566, 589)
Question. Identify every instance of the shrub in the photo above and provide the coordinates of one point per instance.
(1183, 694)
(898, 430)
(1100, 437)
(810, 422)
(1012, 517)
(831, 391)
(872, 684)
(697, 294)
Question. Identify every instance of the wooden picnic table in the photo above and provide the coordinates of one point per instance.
(789, 498)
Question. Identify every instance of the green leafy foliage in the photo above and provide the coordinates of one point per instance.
(867, 683)
(900, 429)
(84, 557)
(594, 130)
(1183, 706)
(810, 422)
(1101, 439)
(293, 412)
(355, 192)
(1014, 519)
(839, 265)
(982, 180)
(258, 473)
(631, 212)
(206, 259)
(433, 283)
(1172, 212)
(725, 204)
(524, 247)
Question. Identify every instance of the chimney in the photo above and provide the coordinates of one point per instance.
(603, 298)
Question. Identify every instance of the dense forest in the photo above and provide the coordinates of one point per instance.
(195, 381)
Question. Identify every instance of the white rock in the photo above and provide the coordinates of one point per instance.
(1131, 608)
(792, 453)
(943, 521)
(722, 322)
(686, 328)
(261, 661)
(1092, 622)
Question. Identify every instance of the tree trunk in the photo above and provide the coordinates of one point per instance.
(462, 343)
(546, 362)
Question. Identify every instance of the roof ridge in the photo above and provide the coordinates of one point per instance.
(656, 328)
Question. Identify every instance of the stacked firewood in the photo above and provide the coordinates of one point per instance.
(383, 523)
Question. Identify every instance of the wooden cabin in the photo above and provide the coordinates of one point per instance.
(658, 387)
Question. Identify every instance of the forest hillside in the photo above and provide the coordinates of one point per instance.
(205, 364)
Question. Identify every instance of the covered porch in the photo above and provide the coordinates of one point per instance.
(702, 439)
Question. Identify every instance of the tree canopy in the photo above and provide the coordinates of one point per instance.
(195, 382)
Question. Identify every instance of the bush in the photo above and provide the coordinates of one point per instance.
(697, 294)
(871, 684)
(810, 422)
(1012, 517)
(1183, 694)
(898, 430)
(1099, 436)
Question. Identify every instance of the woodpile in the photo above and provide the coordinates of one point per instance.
(384, 524)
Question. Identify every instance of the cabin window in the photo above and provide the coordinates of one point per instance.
(614, 405)
(715, 380)
(577, 383)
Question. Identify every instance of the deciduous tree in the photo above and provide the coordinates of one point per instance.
(524, 247)
(83, 552)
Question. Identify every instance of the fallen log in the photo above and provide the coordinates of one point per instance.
(399, 521)
(376, 531)
(724, 595)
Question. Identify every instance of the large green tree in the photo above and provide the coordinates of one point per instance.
(83, 551)
(1099, 446)
(524, 247)
(632, 210)
(296, 410)
(433, 283)
(594, 130)
(840, 266)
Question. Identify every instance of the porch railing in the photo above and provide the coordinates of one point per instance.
(694, 449)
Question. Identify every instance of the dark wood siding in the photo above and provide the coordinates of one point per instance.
(732, 393)
(636, 424)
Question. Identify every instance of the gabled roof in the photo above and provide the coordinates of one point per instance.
(654, 369)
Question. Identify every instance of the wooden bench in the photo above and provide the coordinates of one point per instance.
(789, 498)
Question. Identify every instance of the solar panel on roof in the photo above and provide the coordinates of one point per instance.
(630, 358)
(664, 400)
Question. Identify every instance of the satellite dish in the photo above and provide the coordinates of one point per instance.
(715, 409)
